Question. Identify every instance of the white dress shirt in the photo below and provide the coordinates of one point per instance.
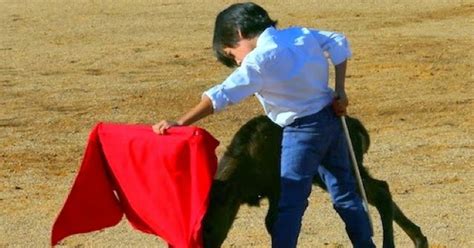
(288, 71)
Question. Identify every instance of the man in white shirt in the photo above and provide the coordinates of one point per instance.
(288, 71)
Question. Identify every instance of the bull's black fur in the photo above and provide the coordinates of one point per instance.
(249, 171)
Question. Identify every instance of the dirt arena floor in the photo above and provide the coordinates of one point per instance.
(66, 65)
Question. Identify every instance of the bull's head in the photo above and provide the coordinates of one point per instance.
(223, 207)
(247, 173)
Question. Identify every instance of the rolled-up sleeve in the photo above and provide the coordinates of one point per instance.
(334, 44)
(243, 82)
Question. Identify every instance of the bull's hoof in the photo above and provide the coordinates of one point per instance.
(421, 242)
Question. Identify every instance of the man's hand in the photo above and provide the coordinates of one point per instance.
(162, 126)
(339, 104)
(201, 110)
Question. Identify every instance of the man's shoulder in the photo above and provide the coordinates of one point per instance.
(277, 44)
(296, 31)
(265, 55)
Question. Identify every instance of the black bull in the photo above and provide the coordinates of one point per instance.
(249, 172)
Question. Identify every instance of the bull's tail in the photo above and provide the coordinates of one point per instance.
(358, 132)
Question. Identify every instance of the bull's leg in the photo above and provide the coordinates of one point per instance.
(410, 228)
(378, 195)
(271, 213)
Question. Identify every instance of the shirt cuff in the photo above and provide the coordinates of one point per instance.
(218, 98)
(339, 51)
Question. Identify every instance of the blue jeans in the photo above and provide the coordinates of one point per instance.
(315, 145)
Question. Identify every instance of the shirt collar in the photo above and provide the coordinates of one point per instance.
(266, 35)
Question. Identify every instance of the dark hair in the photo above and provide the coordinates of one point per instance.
(247, 18)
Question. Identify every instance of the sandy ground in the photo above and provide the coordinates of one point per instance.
(65, 65)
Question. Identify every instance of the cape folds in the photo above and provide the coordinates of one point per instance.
(160, 182)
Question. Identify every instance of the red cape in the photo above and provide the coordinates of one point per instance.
(160, 182)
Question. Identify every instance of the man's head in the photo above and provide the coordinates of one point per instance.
(241, 21)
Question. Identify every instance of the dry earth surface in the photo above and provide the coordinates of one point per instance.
(65, 65)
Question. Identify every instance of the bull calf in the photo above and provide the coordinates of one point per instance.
(249, 171)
